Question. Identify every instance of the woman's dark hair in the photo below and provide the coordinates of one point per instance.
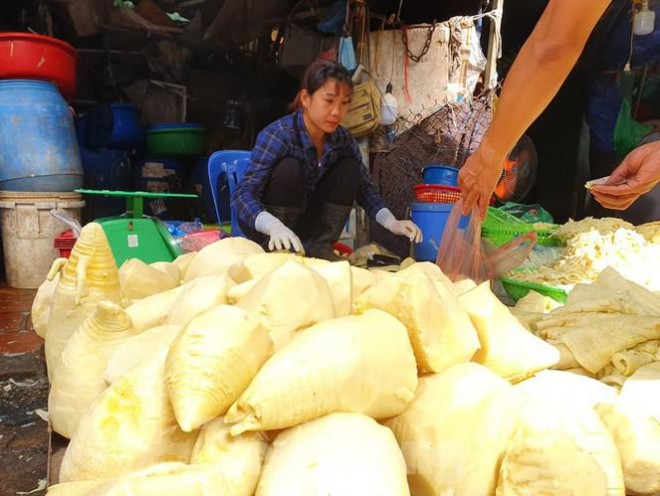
(318, 73)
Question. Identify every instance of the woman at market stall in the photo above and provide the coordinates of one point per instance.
(536, 75)
(638, 174)
(306, 171)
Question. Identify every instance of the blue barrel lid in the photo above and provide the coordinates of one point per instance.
(431, 207)
(172, 126)
(28, 83)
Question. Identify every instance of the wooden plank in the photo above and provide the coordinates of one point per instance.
(56, 448)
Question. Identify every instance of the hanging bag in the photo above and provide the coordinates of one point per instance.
(628, 133)
(363, 115)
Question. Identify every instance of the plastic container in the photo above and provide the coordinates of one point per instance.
(440, 174)
(126, 128)
(34, 56)
(436, 193)
(175, 139)
(38, 146)
(64, 243)
(431, 219)
(28, 231)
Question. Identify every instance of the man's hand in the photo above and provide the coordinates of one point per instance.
(477, 180)
(636, 175)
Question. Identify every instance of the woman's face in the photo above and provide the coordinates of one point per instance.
(327, 106)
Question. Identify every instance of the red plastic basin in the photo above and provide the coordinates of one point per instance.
(34, 56)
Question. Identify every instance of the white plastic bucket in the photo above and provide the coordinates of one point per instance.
(28, 230)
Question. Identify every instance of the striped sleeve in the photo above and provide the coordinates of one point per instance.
(270, 147)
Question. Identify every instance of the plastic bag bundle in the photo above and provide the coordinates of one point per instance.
(464, 255)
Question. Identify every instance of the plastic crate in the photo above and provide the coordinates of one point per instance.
(501, 227)
(499, 219)
(517, 289)
(499, 237)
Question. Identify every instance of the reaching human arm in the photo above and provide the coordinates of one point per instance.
(370, 200)
(268, 150)
(638, 173)
(536, 75)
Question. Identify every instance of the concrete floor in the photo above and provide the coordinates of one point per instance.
(24, 436)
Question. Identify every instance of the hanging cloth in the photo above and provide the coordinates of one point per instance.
(346, 51)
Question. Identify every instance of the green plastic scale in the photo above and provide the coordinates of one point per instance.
(134, 235)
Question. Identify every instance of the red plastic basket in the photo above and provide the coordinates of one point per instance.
(436, 193)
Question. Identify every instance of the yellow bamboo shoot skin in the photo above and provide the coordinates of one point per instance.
(89, 277)
(338, 454)
(288, 299)
(129, 426)
(78, 379)
(212, 361)
(361, 364)
(139, 280)
(43, 300)
(439, 329)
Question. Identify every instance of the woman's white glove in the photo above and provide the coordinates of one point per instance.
(405, 228)
(281, 237)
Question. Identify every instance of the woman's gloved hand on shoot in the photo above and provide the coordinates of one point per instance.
(281, 237)
(405, 228)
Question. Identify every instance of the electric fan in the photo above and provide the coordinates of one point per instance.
(519, 172)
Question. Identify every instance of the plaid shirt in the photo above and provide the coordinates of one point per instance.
(277, 141)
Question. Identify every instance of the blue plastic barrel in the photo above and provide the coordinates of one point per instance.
(106, 169)
(431, 219)
(38, 147)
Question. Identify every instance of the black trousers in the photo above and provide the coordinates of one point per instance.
(286, 188)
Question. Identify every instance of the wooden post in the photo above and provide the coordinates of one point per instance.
(493, 45)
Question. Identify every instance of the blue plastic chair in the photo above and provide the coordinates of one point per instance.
(231, 163)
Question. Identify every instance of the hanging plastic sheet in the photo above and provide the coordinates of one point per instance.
(628, 132)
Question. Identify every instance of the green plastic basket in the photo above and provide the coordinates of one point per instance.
(499, 237)
(501, 227)
(517, 288)
(499, 219)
